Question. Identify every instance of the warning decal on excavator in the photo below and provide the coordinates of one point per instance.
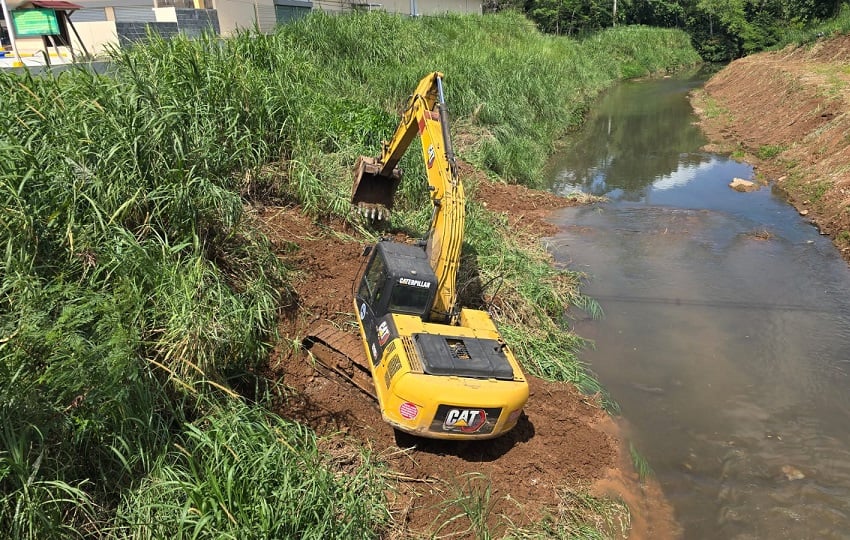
(408, 410)
(383, 333)
(431, 156)
(465, 420)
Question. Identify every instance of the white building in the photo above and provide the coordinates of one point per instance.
(98, 24)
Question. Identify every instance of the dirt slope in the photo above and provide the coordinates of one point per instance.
(565, 439)
(790, 112)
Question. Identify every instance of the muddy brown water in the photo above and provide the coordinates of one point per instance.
(726, 335)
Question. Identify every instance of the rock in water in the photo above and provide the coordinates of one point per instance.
(739, 184)
(792, 473)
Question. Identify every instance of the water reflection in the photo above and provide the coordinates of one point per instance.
(633, 139)
(727, 332)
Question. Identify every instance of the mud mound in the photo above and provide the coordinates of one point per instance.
(829, 50)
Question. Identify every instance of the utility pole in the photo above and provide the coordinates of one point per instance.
(11, 31)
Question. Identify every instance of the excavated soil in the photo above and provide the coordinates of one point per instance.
(564, 439)
(789, 112)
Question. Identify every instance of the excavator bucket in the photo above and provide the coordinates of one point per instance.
(373, 192)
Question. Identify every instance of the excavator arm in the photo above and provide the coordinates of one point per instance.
(376, 181)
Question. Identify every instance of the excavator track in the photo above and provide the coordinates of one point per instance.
(340, 353)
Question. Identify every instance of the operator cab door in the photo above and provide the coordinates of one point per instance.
(371, 295)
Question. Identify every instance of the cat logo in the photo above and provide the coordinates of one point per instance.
(465, 420)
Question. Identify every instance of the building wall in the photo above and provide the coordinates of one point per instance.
(234, 15)
(194, 22)
(423, 7)
(98, 36)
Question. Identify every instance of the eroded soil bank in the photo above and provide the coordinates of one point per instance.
(565, 442)
(788, 113)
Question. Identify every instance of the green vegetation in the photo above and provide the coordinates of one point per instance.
(712, 109)
(466, 511)
(581, 516)
(640, 463)
(721, 30)
(134, 289)
(239, 472)
(769, 151)
(843, 239)
(821, 28)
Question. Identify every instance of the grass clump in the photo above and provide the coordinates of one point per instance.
(640, 463)
(467, 512)
(240, 472)
(769, 151)
(583, 516)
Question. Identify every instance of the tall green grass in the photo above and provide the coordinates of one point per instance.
(241, 473)
(802, 35)
(133, 285)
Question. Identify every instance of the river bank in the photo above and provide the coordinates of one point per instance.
(567, 463)
(786, 113)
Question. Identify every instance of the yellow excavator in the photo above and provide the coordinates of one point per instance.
(437, 370)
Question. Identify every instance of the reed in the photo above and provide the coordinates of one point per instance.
(241, 472)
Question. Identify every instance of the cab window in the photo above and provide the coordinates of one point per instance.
(373, 281)
(411, 300)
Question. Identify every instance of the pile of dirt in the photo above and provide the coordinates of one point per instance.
(563, 440)
(789, 111)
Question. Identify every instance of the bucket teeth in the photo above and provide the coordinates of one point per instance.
(373, 212)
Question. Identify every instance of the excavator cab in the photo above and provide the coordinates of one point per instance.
(398, 279)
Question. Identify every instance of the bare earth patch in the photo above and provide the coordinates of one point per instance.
(789, 111)
(564, 440)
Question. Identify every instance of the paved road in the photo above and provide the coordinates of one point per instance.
(30, 61)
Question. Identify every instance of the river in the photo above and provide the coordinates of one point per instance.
(726, 335)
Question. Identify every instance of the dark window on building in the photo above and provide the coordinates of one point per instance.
(290, 10)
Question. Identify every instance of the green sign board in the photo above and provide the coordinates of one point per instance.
(35, 23)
